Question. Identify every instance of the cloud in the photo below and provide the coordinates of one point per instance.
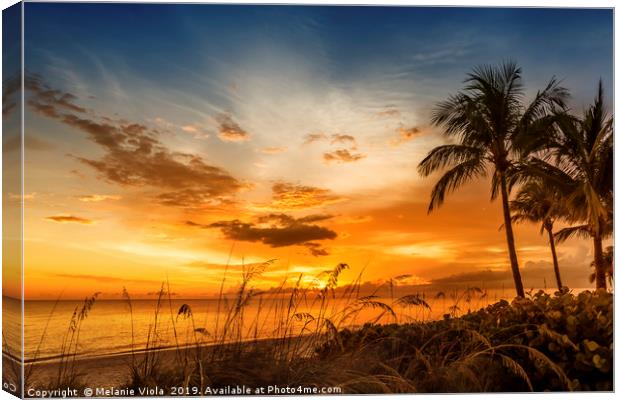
(272, 150)
(133, 156)
(217, 269)
(103, 278)
(31, 142)
(195, 131)
(354, 219)
(68, 219)
(342, 156)
(574, 270)
(10, 88)
(389, 112)
(406, 135)
(47, 100)
(229, 130)
(314, 137)
(162, 293)
(334, 139)
(342, 139)
(488, 276)
(166, 126)
(94, 198)
(339, 155)
(290, 196)
(316, 249)
(277, 230)
(195, 199)
(25, 197)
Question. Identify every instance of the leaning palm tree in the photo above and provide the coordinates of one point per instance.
(485, 119)
(581, 165)
(539, 204)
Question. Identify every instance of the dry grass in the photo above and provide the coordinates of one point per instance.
(318, 348)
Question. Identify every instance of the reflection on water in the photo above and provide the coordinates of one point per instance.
(108, 327)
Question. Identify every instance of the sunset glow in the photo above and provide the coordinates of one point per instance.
(184, 155)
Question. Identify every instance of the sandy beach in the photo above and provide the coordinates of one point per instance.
(114, 370)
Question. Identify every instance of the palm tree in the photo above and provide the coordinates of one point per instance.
(537, 203)
(582, 156)
(608, 258)
(485, 119)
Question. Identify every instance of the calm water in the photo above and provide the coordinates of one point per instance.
(108, 327)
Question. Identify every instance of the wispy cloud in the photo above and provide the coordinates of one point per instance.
(94, 198)
(10, 87)
(273, 150)
(69, 219)
(389, 112)
(195, 130)
(106, 279)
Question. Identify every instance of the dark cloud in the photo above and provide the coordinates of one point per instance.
(135, 157)
(229, 130)
(277, 230)
(342, 156)
(316, 249)
(68, 219)
(46, 100)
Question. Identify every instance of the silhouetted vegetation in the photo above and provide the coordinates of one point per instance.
(540, 342)
(561, 167)
(563, 163)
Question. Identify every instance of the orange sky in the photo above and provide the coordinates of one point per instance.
(115, 201)
(162, 154)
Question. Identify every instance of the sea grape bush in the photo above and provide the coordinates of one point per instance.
(556, 342)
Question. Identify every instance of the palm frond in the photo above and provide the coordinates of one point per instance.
(453, 179)
(581, 231)
(448, 155)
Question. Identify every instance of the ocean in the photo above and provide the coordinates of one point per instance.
(111, 328)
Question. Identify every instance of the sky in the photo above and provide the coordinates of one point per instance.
(165, 142)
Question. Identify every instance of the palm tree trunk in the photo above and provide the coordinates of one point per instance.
(556, 267)
(514, 264)
(599, 263)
